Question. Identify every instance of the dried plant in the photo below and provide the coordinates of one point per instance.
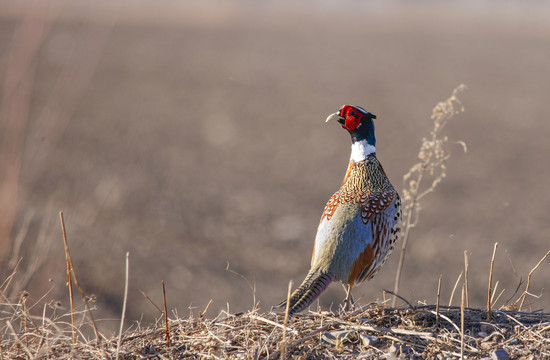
(433, 156)
(523, 296)
(370, 332)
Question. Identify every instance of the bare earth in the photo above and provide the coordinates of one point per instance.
(194, 136)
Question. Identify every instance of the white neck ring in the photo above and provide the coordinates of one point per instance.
(360, 150)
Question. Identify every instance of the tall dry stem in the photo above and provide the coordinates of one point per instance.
(526, 292)
(437, 303)
(455, 287)
(285, 322)
(490, 286)
(466, 265)
(119, 341)
(166, 328)
(462, 301)
(72, 276)
(69, 280)
(433, 156)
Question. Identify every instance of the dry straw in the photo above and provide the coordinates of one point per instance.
(526, 292)
(466, 265)
(71, 276)
(462, 304)
(123, 305)
(438, 301)
(490, 287)
(254, 336)
(166, 328)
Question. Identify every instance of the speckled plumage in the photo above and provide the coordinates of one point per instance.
(360, 222)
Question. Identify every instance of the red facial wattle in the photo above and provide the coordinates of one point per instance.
(353, 117)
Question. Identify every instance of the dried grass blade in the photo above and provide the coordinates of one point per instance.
(438, 299)
(529, 279)
(27, 350)
(454, 288)
(287, 308)
(490, 287)
(466, 265)
(69, 280)
(462, 322)
(85, 299)
(267, 321)
(298, 342)
(119, 341)
(166, 329)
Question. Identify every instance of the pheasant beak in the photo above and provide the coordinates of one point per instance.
(336, 116)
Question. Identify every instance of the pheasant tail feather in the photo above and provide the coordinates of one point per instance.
(312, 287)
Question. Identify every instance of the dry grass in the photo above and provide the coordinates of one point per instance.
(372, 331)
(369, 332)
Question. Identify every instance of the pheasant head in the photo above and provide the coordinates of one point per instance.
(359, 123)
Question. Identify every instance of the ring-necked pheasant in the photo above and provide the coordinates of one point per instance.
(360, 222)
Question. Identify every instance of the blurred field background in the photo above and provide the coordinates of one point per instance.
(191, 134)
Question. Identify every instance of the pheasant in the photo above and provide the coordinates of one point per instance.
(360, 222)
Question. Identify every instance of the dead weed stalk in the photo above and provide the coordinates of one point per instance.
(433, 156)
